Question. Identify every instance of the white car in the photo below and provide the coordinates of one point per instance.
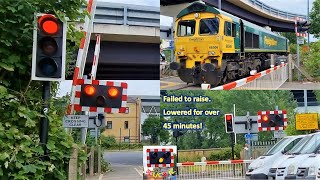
(308, 164)
(287, 167)
(259, 168)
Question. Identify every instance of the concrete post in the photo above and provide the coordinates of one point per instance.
(203, 167)
(99, 159)
(290, 67)
(272, 60)
(73, 173)
(84, 166)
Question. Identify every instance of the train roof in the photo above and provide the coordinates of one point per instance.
(200, 6)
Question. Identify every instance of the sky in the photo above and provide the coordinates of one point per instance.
(135, 87)
(155, 3)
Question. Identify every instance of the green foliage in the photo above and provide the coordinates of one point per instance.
(225, 154)
(311, 60)
(214, 135)
(21, 155)
(126, 146)
(152, 127)
(290, 36)
(107, 141)
(315, 19)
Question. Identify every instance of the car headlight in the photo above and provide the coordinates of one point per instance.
(312, 171)
(291, 169)
(258, 165)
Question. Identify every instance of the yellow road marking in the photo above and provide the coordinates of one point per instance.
(169, 84)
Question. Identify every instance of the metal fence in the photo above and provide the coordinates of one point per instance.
(234, 169)
(270, 79)
(127, 14)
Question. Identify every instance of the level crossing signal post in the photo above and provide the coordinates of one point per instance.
(48, 61)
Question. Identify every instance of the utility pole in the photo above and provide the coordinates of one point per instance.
(308, 18)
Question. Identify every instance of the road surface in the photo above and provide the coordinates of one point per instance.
(125, 165)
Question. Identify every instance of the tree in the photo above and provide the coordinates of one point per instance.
(21, 155)
(291, 36)
(315, 19)
(152, 126)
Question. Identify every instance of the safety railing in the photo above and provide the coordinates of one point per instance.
(276, 12)
(233, 169)
(271, 78)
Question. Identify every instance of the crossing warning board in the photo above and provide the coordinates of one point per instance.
(307, 121)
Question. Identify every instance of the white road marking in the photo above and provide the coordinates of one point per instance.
(138, 172)
(100, 177)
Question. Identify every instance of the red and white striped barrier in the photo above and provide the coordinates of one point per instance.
(84, 44)
(95, 58)
(246, 80)
(213, 162)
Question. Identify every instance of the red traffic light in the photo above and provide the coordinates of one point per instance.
(89, 90)
(113, 92)
(265, 118)
(228, 117)
(48, 24)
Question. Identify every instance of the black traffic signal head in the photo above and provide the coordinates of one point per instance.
(101, 96)
(49, 48)
(303, 26)
(177, 133)
(229, 122)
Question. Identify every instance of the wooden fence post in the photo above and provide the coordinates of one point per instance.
(91, 161)
(84, 166)
(99, 159)
(73, 163)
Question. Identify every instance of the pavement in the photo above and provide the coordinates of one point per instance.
(174, 83)
(125, 165)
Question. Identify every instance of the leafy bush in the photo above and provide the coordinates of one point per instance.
(107, 141)
(225, 154)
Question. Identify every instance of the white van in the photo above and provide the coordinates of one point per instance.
(287, 168)
(259, 168)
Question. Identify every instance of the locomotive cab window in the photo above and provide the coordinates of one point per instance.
(186, 28)
(209, 26)
(234, 30)
(227, 29)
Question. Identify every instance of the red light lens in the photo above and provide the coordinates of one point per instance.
(48, 24)
(89, 90)
(113, 92)
(265, 118)
(50, 27)
(228, 117)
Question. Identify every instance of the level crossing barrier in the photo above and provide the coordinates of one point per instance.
(231, 169)
(271, 78)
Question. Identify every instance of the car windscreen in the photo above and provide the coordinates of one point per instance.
(312, 145)
(209, 26)
(299, 146)
(278, 147)
(186, 28)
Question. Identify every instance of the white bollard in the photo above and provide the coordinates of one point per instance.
(203, 159)
(205, 86)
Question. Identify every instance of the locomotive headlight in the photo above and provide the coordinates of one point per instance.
(209, 53)
(196, 15)
(212, 52)
(179, 53)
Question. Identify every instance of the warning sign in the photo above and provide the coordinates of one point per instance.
(307, 121)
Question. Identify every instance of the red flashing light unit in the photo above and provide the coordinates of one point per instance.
(99, 96)
(272, 120)
(162, 157)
